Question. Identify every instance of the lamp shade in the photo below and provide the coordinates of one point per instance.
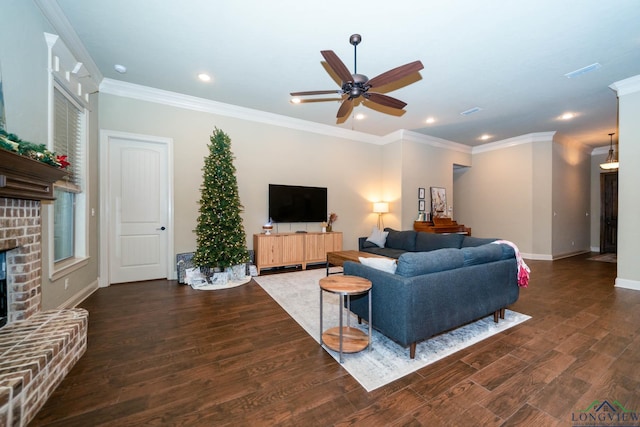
(381, 207)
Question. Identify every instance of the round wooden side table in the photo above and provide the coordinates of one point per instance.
(345, 339)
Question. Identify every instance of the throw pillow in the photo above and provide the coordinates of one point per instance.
(378, 237)
(384, 264)
(405, 240)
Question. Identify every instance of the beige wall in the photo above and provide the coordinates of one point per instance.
(532, 190)
(23, 56)
(542, 200)
(628, 183)
(571, 197)
(498, 189)
(264, 154)
(425, 166)
(392, 184)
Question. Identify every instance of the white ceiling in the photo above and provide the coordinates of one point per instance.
(506, 57)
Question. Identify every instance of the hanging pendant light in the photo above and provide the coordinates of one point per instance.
(611, 162)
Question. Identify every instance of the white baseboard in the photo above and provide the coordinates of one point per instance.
(537, 257)
(548, 257)
(80, 296)
(628, 284)
(570, 254)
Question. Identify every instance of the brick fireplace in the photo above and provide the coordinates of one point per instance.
(20, 237)
(37, 348)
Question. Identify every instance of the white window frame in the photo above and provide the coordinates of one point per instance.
(64, 73)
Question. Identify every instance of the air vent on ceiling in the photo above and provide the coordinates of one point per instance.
(471, 111)
(583, 70)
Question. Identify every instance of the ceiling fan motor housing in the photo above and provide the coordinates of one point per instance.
(357, 87)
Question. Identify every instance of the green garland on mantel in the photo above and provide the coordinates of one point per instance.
(11, 142)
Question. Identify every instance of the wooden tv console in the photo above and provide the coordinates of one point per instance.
(286, 249)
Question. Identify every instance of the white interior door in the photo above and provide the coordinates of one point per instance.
(138, 208)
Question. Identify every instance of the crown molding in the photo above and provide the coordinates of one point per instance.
(512, 142)
(65, 31)
(627, 86)
(420, 138)
(159, 96)
(188, 102)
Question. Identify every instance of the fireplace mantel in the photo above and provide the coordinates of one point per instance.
(25, 178)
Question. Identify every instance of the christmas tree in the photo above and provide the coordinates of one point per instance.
(220, 233)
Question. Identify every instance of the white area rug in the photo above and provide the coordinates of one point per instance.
(299, 294)
(215, 286)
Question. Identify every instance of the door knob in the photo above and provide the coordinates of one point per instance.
(162, 228)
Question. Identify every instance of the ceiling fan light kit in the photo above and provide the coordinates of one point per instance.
(355, 85)
(611, 163)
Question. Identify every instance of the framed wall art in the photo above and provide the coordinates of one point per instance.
(438, 202)
(421, 193)
(421, 206)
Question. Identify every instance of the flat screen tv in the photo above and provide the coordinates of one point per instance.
(293, 203)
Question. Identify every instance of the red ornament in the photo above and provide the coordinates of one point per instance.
(63, 161)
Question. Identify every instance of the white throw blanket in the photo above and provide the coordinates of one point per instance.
(523, 268)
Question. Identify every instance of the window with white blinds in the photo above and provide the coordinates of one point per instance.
(67, 139)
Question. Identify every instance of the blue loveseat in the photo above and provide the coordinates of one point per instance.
(451, 281)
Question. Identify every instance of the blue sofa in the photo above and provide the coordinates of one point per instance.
(436, 289)
(399, 242)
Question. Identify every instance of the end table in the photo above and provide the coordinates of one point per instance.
(345, 339)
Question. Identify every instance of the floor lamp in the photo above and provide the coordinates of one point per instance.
(380, 208)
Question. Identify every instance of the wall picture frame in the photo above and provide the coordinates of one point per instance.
(421, 193)
(421, 205)
(438, 202)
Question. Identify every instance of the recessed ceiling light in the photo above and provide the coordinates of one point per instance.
(567, 116)
(204, 77)
(295, 100)
(360, 116)
(485, 137)
(120, 68)
(430, 120)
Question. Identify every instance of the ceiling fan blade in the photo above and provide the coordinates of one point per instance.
(385, 100)
(395, 74)
(337, 65)
(345, 107)
(316, 92)
(307, 101)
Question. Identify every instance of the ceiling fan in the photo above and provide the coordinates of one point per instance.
(356, 85)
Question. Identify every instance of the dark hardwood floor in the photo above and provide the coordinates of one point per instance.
(160, 353)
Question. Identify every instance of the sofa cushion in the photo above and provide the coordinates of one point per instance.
(368, 244)
(507, 251)
(469, 241)
(385, 264)
(431, 241)
(418, 263)
(387, 252)
(405, 240)
(482, 254)
(377, 237)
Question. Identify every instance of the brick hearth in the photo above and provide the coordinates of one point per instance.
(37, 348)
